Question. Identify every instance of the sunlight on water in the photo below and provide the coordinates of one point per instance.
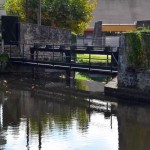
(98, 134)
(38, 119)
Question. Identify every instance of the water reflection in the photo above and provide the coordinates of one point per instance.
(34, 117)
(134, 127)
(51, 116)
(91, 86)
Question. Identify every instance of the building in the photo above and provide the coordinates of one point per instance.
(120, 15)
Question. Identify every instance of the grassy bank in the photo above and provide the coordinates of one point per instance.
(84, 58)
(84, 76)
(100, 59)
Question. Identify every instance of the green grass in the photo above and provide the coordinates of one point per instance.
(84, 58)
(83, 76)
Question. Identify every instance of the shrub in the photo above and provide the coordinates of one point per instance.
(138, 51)
(4, 57)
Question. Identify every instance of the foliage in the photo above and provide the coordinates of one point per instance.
(83, 76)
(84, 58)
(146, 47)
(80, 85)
(3, 60)
(3, 86)
(4, 57)
(70, 14)
(16, 8)
(138, 48)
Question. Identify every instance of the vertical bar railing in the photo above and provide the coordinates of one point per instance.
(32, 53)
(53, 55)
(10, 52)
(23, 53)
(37, 55)
(107, 60)
(111, 59)
(89, 61)
(114, 57)
(2, 46)
(70, 55)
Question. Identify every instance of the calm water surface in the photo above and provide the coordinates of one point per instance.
(49, 115)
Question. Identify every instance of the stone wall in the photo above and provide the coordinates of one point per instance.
(138, 79)
(32, 34)
(143, 80)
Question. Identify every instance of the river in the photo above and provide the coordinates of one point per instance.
(47, 114)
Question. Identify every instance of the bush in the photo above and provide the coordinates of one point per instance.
(138, 51)
(4, 57)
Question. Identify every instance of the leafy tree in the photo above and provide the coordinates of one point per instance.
(71, 14)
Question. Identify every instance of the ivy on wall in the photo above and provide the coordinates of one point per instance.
(138, 51)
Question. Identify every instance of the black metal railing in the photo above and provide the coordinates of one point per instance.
(67, 57)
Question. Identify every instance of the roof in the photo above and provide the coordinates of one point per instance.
(121, 11)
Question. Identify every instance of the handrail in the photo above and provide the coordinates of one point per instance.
(47, 56)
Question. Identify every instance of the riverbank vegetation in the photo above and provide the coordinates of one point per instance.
(3, 57)
(95, 59)
(90, 77)
(3, 60)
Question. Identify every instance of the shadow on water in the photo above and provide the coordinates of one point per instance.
(42, 104)
(133, 127)
(37, 109)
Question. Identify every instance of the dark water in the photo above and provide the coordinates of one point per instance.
(50, 115)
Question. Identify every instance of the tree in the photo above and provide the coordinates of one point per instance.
(70, 14)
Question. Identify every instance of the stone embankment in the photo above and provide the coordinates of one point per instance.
(131, 85)
(126, 94)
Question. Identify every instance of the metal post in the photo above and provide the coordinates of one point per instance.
(70, 58)
(89, 61)
(111, 59)
(53, 55)
(27, 10)
(39, 13)
(23, 51)
(2, 45)
(107, 60)
(10, 51)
